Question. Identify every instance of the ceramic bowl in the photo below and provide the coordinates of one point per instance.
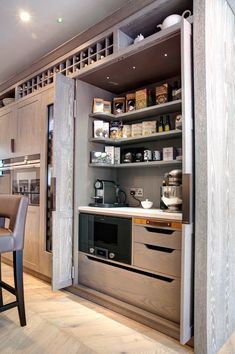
(7, 101)
(147, 204)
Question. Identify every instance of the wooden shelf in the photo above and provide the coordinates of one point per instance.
(138, 164)
(173, 134)
(153, 111)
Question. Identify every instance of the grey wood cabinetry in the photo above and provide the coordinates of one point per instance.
(28, 120)
(7, 131)
(178, 263)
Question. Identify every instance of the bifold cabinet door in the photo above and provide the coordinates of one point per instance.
(186, 316)
(62, 180)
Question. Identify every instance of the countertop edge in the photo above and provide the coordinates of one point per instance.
(138, 213)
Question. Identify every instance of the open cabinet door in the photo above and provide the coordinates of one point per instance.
(186, 316)
(62, 182)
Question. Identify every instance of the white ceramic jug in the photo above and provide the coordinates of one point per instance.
(173, 19)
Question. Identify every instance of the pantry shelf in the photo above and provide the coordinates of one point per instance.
(138, 164)
(152, 111)
(173, 134)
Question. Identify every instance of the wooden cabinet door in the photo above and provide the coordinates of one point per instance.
(62, 175)
(28, 126)
(186, 316)
(31, 243)
(7, 132)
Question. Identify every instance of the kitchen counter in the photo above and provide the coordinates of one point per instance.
(132, 212)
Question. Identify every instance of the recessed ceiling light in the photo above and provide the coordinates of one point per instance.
(107, 77)
(165, 55)
(60, 19)
(134, 67)
(24, 16)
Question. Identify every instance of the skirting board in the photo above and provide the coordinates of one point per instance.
(30, 271)
(160, 324)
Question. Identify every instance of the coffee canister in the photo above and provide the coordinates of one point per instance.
(147, 155)
(156, 155)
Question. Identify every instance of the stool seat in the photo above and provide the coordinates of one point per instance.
(6, 240)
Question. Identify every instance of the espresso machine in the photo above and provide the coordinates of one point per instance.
(108, 194)
(171, 192)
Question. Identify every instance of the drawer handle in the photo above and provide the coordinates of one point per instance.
(160, 249)
(158, 230)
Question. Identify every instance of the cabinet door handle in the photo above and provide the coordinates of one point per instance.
(53, 194)
(186, 196)
(12, 145)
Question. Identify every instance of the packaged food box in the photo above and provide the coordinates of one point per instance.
(168, 153)
(115, 130)
(98, 157)
(98, 129)
(141, 98)
(149, 127)
(105, 130)
(107, 107)
(110, 154)
(162, 93)
(178, 122)
(117, 155)
(136, 129)
(98, 105)
(126, 131)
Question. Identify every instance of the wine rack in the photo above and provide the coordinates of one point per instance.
(70, 66)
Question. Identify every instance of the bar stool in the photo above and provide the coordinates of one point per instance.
(13, 208)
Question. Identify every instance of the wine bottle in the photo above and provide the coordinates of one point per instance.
(174, 90)
(167, 126)
(160, 125)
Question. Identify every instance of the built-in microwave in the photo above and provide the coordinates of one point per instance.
(105, 236)
(21, 175)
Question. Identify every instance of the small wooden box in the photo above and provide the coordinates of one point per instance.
(130, 102)
(119, 105)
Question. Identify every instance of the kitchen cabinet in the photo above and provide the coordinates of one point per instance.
(8, 130)
(175, 262)
(31, 243)
(28, 119)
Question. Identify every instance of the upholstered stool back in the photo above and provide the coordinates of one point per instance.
(14, 208)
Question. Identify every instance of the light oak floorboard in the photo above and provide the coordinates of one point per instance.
(60, 322)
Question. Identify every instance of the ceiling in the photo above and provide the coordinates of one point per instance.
(23, 43)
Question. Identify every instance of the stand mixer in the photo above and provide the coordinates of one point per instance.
(171, 192)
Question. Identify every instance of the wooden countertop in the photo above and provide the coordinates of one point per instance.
(132, 212)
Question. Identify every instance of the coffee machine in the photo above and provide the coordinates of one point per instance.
(108, 194)
(171, 192)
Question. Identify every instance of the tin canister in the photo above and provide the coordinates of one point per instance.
(156, 155)
(147, 155)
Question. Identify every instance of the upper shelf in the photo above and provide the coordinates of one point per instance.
(152, 111)
(173, 134)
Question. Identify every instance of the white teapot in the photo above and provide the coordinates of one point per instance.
(173, 19)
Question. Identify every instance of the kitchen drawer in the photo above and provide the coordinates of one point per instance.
(157, 236)
(158, 295)
(157, 259)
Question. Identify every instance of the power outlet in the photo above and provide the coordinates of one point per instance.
(139, 192)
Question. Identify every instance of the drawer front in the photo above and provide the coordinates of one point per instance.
(158, 296)
(155, 236)
(157, 259)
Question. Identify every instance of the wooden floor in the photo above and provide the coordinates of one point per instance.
(59, 322)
